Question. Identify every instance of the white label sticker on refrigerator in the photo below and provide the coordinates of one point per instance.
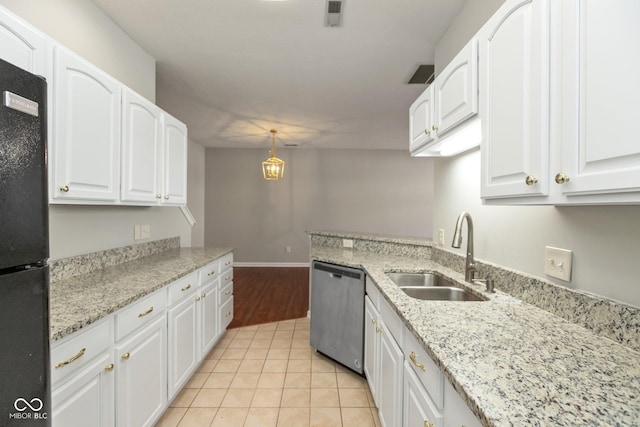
(19, 103)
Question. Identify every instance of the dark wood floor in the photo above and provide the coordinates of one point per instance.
(269, 294)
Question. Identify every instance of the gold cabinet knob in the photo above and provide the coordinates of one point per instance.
(197, 299)
(109, 367)
(126, 356)
(530, 180)
(412, 356)
(64, 188)
(427, 132)
(429, 424)
(374, 321)
(378, 329)
(158, 196)
(562, 178)
(434, 128)
(166, 197)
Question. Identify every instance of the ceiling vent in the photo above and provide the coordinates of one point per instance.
(423, 75)
(333, 15)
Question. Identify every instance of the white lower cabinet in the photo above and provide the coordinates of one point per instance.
(88, 398)
(125, 369)
(141, 376)
(408, 388)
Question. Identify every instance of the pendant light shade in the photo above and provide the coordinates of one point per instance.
(273, 167)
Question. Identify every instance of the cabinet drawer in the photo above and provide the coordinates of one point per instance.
(140, 313)
(392, 321)
(225, 293)
(424, 368)
(226, 278)
(79, 348)
(226, 262)
(209, 272)
(182, 287)
(373, 292)
(226, 314)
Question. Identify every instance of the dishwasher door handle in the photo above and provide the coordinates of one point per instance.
(335, 276)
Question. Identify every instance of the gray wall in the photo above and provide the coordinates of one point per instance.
(604, 239)
(370, 191)
(85, 29)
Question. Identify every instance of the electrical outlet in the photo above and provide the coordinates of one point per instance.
(347, 243)
(287, 249)
(441, 236)
(145, 231)
(558, 263)
(136, 232)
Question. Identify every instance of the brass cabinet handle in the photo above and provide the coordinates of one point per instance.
(228, 293)
(227, 278)
(227, 263)
(227, 314)
(530, 180)
(126, 356)
(186, 288)
(71, 359)
(145, 313)
(64, 188)
(429, 424)
(412, 356)
(562, 178)
(109, 367)
(211, 273)
(434, 128)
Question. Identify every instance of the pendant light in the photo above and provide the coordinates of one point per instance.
(273, 167)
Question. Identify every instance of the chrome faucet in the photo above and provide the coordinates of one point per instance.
(470, 264)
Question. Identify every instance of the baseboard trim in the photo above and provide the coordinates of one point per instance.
(271, 264)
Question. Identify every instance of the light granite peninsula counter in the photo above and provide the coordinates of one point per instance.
(512, 362)
(86, 288)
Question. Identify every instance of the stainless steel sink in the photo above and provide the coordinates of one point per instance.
(431, 286)
(420, 279)
(442, 293)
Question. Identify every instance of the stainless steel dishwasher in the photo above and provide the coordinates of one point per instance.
(337, 313)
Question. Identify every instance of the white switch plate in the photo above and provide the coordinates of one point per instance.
(136, 232)
(347, 243)
(558, 262)
(145, 231)
(441, 236)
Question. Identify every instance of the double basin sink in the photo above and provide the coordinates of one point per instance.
(431, 286)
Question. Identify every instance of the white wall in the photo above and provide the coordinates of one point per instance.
(372, 191)
(196, 193)
(604, 238)
(85, 29)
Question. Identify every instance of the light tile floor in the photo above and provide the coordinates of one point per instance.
(268, 376)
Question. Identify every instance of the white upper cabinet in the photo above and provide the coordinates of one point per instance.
(85, 154)
(514, 92)
(21, 45)
(601, 69)
(445, 105)
(175, 161)
(141, 149)
(558, 91)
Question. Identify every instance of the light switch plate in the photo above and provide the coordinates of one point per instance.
(558, 263)
(136, 232)
(441, 236)
(145, 231)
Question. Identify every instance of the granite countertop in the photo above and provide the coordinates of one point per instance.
(79, 301)
(513, 363)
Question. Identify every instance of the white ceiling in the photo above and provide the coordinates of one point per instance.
(233, 69)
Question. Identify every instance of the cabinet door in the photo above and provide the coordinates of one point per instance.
(141, 150)
(87, 399)
(421, 119)
(514, 91)
(418, 409)
(86, 145)
(371, 347)
(21, 45)
(208, 317)
(183, 344)
(390, 397)
(175, 161)
(141, 370)
(601, 66)
(456, 90)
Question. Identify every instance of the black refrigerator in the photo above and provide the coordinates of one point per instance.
(25, 390)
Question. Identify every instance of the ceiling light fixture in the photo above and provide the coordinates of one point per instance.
(273, 167)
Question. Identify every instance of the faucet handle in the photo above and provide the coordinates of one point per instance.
(488, 282)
